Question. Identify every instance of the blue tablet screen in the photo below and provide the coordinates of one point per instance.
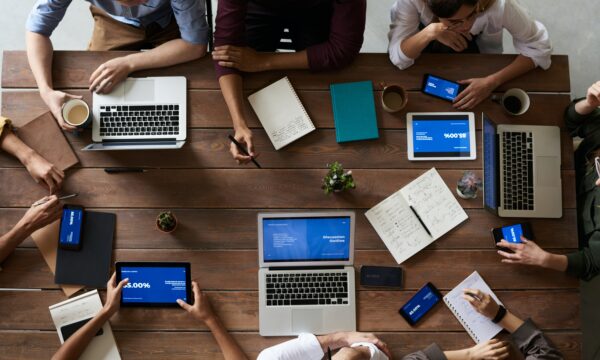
(513, 233)
(420, 304)
(154, 284)
(441, 88)
(441, 136)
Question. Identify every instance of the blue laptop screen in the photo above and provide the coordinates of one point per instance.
(443, 136)
(306, 239)
(490, 164)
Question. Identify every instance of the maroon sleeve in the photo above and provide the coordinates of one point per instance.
(230, 29)
(345, 36)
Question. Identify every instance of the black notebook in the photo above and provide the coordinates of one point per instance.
(89, 266)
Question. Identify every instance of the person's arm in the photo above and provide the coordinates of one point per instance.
(202, 311)
(529, 253)
(39, 168)
(582, 115)
(35, 218)
(78, 342)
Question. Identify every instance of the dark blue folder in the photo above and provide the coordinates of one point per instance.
(354, 111)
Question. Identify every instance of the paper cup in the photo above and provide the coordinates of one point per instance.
(76, 113)
(515, 102)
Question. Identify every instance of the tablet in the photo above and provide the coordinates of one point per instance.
(155, 283)
(440, 136)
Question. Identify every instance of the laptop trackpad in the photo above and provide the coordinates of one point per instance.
(547, 171)
(307, 320)
(139, 90)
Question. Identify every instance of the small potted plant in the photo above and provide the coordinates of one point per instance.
(468, 185)
(337, 180)
(166, 222)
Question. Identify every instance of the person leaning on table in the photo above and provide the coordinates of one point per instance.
(582, 118)
(176, 30)
(455, 26)
(529, 340)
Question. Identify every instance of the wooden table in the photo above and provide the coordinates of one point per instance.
(217, 202)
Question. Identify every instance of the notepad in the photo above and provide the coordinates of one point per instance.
(399, 227)
(281, 113)
(478, 326)
(82, 307)
(354, 111)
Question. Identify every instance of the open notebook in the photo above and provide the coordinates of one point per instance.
(398, 225)
(281, 113)
(478, 326)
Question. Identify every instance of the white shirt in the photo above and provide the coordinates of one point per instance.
(530, 37)
(307, 347)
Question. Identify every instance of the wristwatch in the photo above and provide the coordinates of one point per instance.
(499, 315)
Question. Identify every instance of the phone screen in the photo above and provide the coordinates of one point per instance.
(70, 226)
(512, 233)
(423, 301)
(442, 88)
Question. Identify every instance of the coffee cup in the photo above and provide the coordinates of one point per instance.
(76, 112)
(393, 98)
(515, 102)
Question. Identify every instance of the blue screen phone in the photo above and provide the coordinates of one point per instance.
(440, 88)
(513, 233)
(71, 225)
(420, 304)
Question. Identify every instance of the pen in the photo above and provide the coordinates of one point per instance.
(41, 202)
(473, 295)
(421, 221)
(242, 149)
(118, 170)
(328, 353)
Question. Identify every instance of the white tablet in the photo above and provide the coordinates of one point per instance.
(440, 136)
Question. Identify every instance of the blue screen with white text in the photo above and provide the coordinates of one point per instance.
(441, 88)
(419, 304)
(306, 239)
(444, 137)
(70, 226)
(513, 233)
(154, 284)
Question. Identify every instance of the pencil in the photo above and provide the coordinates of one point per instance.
(243, 150)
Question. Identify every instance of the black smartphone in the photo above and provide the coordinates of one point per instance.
(381, 276)
(512, 233)
(420, 304)
(440, 88)
(71, 227)
(68, 330)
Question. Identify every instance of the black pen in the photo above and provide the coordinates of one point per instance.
(328, 353)
(472, 295)
(242, 149)
(421, 221)
(118, 170)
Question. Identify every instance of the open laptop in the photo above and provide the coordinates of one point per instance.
(521, 170)
(306, 277)
(141, 114)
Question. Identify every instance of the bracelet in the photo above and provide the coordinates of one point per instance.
(499, 315)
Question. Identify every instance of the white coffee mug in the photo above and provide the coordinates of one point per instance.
(515, 101)
(76, 112)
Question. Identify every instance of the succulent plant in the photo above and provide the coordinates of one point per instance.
(337, 180)
(468, 185)
(166, 221)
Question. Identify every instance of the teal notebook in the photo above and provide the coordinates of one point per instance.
(354, 111)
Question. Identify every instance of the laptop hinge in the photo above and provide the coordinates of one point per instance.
(332, 267)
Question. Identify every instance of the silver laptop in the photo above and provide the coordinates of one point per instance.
(306, 276)
(141, 114)
(521, 170)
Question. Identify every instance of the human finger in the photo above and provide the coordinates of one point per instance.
(509, 255)
(98, 81)
(71, 96)
(185, 306)
(97, 72)
(511, 246)
(103, 84)
(52, 200)
(57, 179)
(112, 281)
(121, 284)
(467, 95)
(470, 104)
(228, 64)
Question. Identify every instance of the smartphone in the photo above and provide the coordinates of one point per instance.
(381, 276)
(71, 226)
(420, 304)
(68, 330)
(440, 88)
(512, 233)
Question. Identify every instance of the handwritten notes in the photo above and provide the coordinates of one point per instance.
(399, 228)
(478, 326)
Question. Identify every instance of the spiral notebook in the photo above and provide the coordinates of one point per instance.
(281, 113)
(478, 326)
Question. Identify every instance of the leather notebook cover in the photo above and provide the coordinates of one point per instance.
(43, 135)
(354, 111)
(89, 266)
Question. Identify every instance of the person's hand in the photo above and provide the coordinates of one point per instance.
(44, 172)
(242, 58)
(109, 74)
(113, 294)
(482, 302)
(527, 253)
(593, 95)
(201, 309)
(351, 337)
(478, 90)
(41, 215)
(356, 353)
(493, 349)
(55, 99)
(453, 39)
(244, 137)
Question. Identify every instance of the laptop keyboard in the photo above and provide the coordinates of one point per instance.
(330, 288)
(135, 120)
(518, 170)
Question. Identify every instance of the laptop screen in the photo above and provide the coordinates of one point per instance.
(306, 239)
(490, 164)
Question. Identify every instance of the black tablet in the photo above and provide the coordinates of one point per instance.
(155, 283)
